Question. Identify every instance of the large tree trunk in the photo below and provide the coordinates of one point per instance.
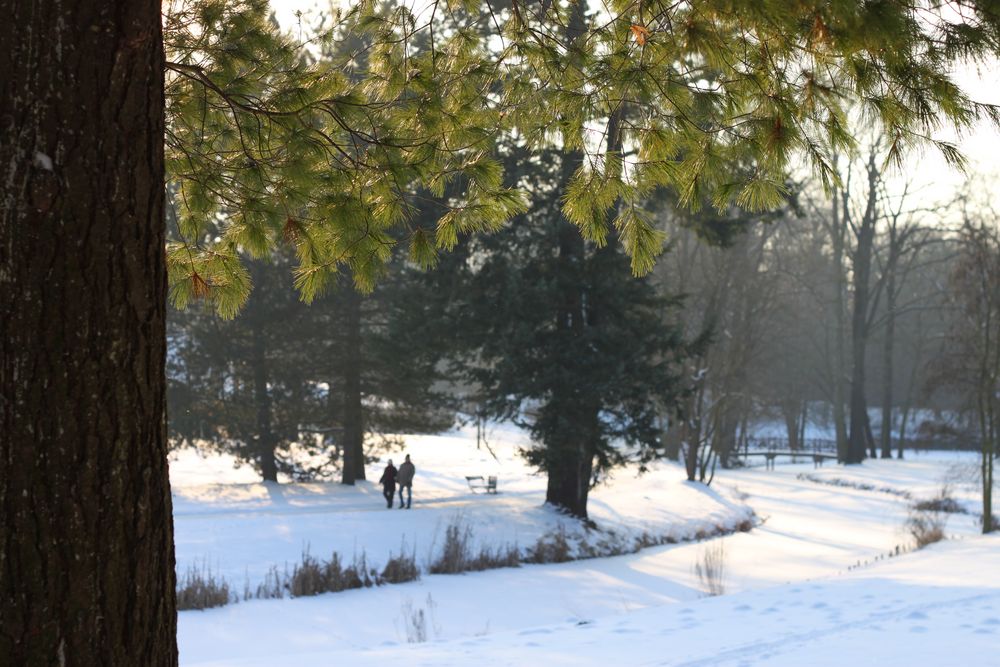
(262, 403)
(570, 470)
(86, 536)
(571, 459)
(354, 429)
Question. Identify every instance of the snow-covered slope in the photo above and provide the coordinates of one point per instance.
(924, 609)
(793, 595)
(241, 529)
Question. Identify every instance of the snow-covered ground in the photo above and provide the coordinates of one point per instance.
(793, 597)
(240, 528)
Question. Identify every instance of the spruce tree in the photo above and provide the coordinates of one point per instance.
(559, 337)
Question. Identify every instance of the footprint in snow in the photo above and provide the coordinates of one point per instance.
(918, 629)
(990, 621)
(984, 631)
(819, 605)
(743, 607)
(916, 615)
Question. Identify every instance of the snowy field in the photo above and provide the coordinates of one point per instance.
(795, 594)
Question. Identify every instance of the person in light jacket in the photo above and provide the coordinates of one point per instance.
(388, 482)
(405, 479)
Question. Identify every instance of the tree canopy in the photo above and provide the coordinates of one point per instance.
(333, 155)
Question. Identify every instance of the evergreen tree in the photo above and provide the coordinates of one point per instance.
(379, 355)
(561, 338)
(242, 384)
(352, 368)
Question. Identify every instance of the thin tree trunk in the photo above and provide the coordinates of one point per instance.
(887, 352)
(671, 437)
(724, 437)
(901, 438)
(839, 417)
(86, 533)
(870, 436)
(262, 403)
(790, 412)
(803, 420)
(908, 398)
(986, 459)
(860, 427)
(354, 429)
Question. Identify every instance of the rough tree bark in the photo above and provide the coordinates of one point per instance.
(86, 537)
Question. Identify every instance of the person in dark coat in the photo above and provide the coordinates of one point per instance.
(405, 479)
(388, 482)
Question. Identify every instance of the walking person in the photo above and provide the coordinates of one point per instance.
(388, 482)
(405, 479)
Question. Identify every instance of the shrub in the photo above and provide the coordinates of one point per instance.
(201, 589)
(272, 587)
(711, 568)
(308, 577)
(926, 527)
(490, 559)
(417, 622)
(552, 548)
(457, 555)
(400, 569)
(943, 502)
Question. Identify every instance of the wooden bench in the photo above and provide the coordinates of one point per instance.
(479, 483)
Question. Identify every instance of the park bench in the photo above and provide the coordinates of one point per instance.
(479, 483)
